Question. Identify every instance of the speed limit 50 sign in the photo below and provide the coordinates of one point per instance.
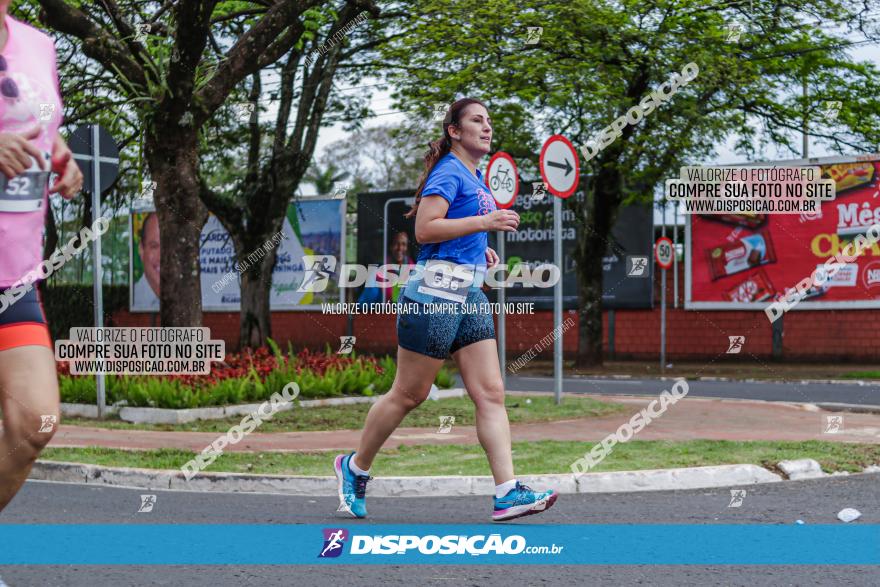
(663, 251)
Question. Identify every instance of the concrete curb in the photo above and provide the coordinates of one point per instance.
(169, 416)
(613, 482)
(860, 382)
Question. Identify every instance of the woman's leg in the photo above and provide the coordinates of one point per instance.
(412, 383)
(28, 390)
(481, 373)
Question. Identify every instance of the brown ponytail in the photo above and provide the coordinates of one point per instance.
(441, 147)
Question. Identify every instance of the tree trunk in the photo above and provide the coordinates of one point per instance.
(173, 160)
(590, 249)
(256, 282)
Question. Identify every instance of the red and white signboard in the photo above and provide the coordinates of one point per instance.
(502, 179)
(747, 261)
(559, 166)
(663, 250)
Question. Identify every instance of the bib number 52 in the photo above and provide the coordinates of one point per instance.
(18, 186)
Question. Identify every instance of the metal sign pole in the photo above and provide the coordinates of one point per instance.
(502, 330)
(557, 300)
(663, 305)
(675, 254)
(96, 258)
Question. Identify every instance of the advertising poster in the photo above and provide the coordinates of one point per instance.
(748, 261)
(381, 220)
(311, 227)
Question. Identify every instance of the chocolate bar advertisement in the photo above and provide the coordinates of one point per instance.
(746, 261)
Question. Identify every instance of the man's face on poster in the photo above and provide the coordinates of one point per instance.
(399, 248)
(150, 252)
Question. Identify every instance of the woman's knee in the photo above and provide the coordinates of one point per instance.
(28, 434)
(489, 394)
(409, 397)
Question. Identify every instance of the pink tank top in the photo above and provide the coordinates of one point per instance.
(29, 97)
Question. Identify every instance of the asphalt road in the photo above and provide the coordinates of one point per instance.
(768, 391)
(814, 502)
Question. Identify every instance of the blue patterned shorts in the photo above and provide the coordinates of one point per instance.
(439, 328)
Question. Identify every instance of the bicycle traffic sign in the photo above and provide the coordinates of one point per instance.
(560, 168)
(502, 179)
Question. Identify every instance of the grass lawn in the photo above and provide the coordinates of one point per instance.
(862, 375)
(529, 457)
(351, 417)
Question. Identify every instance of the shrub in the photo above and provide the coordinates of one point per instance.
(246, 377)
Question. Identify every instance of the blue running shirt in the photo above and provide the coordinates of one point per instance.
(467, 195)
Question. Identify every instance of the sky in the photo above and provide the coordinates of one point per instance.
(384, 113)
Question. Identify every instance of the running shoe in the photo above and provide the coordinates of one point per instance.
(522, 501)
(352, 488)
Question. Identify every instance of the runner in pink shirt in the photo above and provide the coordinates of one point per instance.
(30, 149)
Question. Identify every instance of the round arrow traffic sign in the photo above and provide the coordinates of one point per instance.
(559, 166)
(663, 249)
(502, 180)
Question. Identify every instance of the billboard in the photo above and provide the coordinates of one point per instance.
(748, 261)
(380, 220)
(311, 227)
(624, 286)
(384, 233)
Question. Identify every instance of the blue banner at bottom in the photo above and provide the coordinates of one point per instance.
(585, 544)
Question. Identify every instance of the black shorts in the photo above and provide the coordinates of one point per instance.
(23, 321)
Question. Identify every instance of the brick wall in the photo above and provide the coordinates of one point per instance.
(808, 335)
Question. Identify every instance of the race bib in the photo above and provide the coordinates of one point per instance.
(447, 280)
(24, 192)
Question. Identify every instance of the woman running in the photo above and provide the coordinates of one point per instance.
(453, 211)
(30, 148)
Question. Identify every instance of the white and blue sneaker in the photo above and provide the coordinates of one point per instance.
(352, 488)
(522, 501)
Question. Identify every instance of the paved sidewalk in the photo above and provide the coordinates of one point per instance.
(689, 419)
